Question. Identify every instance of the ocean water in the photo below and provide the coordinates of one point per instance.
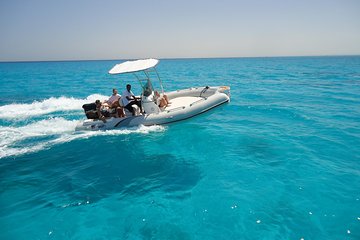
(280, 161)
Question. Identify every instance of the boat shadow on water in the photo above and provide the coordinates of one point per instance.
(115, 166)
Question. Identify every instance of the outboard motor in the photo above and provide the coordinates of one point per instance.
(90, 111)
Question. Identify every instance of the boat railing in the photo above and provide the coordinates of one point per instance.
(198, 101)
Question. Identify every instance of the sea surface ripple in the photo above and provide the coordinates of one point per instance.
(280, 161)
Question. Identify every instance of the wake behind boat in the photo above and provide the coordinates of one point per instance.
(184, 104)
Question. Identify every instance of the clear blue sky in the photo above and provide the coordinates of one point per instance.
(109, 29)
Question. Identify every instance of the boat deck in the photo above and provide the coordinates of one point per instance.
(181, 102)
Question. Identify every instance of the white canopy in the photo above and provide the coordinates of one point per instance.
(134, 66)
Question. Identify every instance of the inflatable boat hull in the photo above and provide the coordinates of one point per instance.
(185, 104)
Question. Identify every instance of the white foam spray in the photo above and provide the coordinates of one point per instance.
(60, 130)
(50, 105)
(13, 139)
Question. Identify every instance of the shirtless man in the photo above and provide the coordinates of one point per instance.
(162, 101)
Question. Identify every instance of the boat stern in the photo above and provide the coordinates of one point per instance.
(90, 125)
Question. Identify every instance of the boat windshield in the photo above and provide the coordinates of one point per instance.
(147, 88)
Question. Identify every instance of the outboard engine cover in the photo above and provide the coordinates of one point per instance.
(89, 107)
(90, 111)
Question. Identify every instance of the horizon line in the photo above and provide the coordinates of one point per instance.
(179, 58)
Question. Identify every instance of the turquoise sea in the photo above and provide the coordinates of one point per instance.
(280, 161)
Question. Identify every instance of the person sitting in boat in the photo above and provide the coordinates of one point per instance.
(114, 103)
(129, 99)
(113, 99)
(101, 111)
(161, 100)
(119, 108)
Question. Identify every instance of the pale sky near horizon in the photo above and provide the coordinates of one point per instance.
(40, 30)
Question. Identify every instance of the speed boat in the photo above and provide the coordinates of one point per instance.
(184, 103)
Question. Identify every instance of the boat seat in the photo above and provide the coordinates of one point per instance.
(136, 109)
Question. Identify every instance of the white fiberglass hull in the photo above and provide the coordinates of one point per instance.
(185, 104)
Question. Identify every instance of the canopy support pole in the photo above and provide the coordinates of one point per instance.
(138, 80)
(161, 84)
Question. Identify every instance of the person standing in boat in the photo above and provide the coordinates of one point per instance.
(129, 99)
